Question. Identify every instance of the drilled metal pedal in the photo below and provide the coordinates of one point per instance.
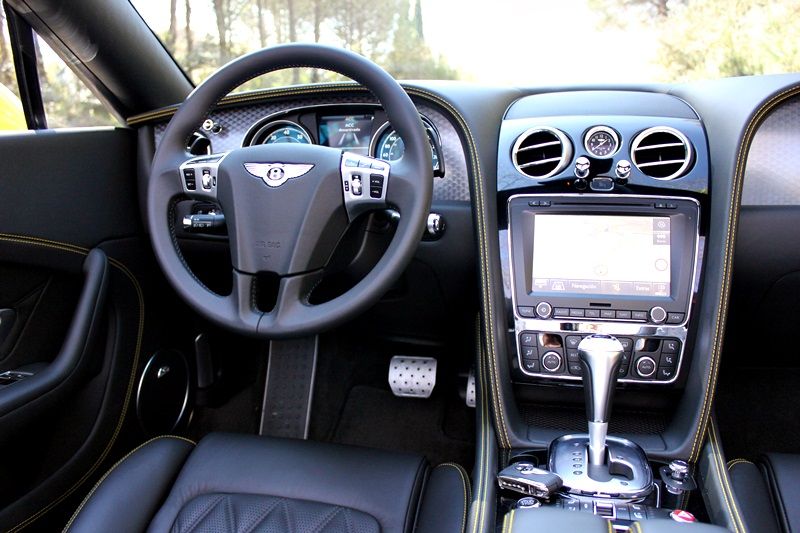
(412, 377)
(470, 396)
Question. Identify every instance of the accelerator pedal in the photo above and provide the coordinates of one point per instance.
(412, 377)
(289, 387)
(470, 396)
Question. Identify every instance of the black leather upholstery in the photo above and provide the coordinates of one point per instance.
(769, 492)
(235, 483)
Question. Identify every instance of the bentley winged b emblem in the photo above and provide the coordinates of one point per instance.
(276, 174)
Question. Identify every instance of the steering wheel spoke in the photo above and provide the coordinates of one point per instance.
(293, 293)
(199, 176)
(243, 298)
(365, 181)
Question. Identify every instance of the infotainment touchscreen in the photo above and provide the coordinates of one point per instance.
(601, 255)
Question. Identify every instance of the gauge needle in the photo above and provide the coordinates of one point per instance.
(601, 142)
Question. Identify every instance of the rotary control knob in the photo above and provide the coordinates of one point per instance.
(658, 315)
(544, 310)
(678, 470)
(645, 367)
(551, 361)
(582, 165)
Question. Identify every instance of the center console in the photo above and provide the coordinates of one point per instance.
(619, 265)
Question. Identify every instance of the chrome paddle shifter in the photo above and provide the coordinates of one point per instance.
(597, 464)
(600, 357)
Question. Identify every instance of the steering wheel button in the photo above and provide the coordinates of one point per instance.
(364, 163)
(375, 180)
(375, 192)
(351, 162)
(357, 185)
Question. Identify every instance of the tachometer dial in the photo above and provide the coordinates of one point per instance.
(388, 146)
(601, 141)
(281, 131)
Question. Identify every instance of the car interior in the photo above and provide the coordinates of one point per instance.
(370, 305)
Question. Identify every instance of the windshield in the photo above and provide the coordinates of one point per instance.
(515, 42)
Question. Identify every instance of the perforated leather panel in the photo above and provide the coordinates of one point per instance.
(240, 513)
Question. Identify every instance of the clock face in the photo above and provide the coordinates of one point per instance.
(601, 141)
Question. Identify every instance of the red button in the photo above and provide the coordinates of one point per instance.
(682, 516)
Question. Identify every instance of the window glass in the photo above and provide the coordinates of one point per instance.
(11, 114)
(499, 41)
(68, 102)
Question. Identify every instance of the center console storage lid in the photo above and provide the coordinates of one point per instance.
(554, 519)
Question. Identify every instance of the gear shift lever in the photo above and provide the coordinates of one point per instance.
(600, 357)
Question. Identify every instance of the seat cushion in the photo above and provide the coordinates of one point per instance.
(232, 483)
(768, 492)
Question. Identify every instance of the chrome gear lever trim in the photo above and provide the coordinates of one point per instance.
(600, 357)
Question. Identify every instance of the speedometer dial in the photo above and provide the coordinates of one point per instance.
(601, 141)
(388, 145)
(280, 132)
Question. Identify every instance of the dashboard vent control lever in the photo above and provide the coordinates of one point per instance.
(582, 165)
(623, 169)
(600, 356)
(525, 478)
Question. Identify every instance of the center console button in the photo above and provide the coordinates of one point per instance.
(531, 365)
(573, 356)
(626, 358)
(624, 315)
(623, 371)
(607, 313)
(561, 312)
(526, 312)
(544, 309)
(529, 352)
(576, 313)
(575, 369)
(658, 315)
(551, 361)
(592, 313)
(645, 366)
(665, 373)
(573, 341)
(670, 346)
(527, 338)
(639, 315)
(675, 318)
(668, 359)
(627, 343)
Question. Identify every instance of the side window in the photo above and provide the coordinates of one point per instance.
(12, 116)
(68, 102)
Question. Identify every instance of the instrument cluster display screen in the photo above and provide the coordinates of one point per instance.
(346, 132)
(601, 255)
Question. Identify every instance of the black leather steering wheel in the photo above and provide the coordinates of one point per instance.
(287, 205)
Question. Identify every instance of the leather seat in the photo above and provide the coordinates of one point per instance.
(238, 483)
(768, 492)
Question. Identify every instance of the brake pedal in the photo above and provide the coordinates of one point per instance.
(412, 377)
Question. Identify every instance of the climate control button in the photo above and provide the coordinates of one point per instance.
(646, 367)
(551, 361)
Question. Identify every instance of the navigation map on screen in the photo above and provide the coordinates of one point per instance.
(601, 254)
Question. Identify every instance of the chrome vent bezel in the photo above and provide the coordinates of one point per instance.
(685, 162)
(561, 162)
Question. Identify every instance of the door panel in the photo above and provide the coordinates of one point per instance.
(79, 315)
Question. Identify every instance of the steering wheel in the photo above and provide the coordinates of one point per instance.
(287, 205)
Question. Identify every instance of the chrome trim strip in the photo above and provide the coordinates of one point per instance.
(566, 325)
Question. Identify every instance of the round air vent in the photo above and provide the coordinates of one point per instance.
(541, 152)
(662, 153)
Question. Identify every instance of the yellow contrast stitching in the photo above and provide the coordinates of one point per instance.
(734, 462)
(727, 263)
(114, 467)
(483, 461)
(464, 483)
(723, 474)
(37, 241)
